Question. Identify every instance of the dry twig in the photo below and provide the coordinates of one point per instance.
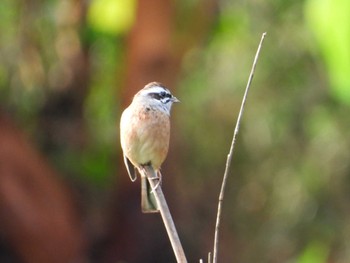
(229, 156)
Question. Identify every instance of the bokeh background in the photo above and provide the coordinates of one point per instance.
(69, 67)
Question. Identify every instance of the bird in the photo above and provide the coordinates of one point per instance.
(145, 135)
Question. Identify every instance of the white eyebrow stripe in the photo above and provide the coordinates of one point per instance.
(155, 89)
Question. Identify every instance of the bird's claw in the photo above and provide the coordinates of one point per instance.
(159, 178)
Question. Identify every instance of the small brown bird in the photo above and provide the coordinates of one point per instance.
(145, 134)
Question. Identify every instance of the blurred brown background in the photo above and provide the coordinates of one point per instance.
(69, 67)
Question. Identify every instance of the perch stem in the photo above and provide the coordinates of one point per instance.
(166, 216)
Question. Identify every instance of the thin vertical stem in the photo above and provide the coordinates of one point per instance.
(229, 156)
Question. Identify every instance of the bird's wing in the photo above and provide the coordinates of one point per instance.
(130, 168)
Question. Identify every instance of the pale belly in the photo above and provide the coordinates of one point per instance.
(145, 137)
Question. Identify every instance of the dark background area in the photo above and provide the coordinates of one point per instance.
(67, 70)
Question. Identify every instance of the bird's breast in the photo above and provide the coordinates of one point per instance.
(145, 133)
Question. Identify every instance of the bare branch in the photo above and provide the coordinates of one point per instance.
(166, 216)
(229, 156)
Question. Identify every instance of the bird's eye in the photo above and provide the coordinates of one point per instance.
(163, 94)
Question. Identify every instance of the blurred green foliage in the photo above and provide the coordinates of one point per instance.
(111, 16)
(314, 253)
(330, 22)
(288, 194)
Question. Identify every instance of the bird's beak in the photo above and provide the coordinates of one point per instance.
(174, 99)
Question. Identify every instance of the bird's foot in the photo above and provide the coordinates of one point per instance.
(159, 181)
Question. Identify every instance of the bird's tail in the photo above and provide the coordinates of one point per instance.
(148, 201)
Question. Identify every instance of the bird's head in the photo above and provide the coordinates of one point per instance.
(155, 94)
